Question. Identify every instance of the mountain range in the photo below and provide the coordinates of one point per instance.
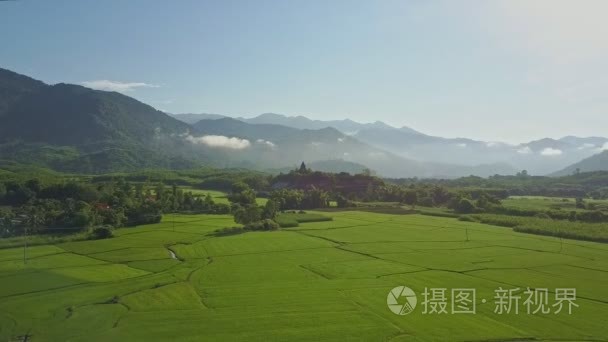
(543, 156)
(73, 128)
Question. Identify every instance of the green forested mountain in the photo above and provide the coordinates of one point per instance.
(13, 87)
(66, 114)
(73, 128)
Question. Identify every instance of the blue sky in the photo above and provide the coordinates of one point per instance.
(494, 70)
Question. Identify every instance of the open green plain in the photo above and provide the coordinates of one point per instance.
(319, 281)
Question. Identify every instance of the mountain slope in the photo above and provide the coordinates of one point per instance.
(13, 87)
(345, 126)
(73, 128)
(190, 118)
(598, 162)
(73, 115)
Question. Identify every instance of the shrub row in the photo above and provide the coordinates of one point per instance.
(545, 226)
(291, 220)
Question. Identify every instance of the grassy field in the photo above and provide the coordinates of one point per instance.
(218, 196)
(319, 281)
(549, 203)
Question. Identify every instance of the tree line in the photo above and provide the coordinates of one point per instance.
(77, 205)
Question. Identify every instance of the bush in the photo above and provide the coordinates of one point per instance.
(591, 216)
(220, 209)
(465, 206)
(542, 216)
(294, 219)
(467, 218)
(137, 219)
(264, 225)
(102, 233)
(426, 202)
(559, 228)
(437, 213)
(230, 231)
(285, 221)
(248, 214)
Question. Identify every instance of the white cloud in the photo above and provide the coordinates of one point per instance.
(550, 152)
(220, 141)
(524, 150)
(461, 145)
(266, 142)
(340, 139)
(122, 87)
(605, 147)
(492, 144)
(586, 146)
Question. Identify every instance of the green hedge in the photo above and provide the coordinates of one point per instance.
(542, 226)
(290, 220)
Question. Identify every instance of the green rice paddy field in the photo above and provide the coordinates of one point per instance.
(319, 281)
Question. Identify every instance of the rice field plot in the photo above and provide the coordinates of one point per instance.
(320, 281)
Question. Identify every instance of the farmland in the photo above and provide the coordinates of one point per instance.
(321, 280)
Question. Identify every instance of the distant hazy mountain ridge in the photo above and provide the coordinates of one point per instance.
(541, 156)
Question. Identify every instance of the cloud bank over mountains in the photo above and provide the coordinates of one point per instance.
(121, 87)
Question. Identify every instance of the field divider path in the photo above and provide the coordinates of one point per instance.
(320, 274)
(344, 227)
(342, 246)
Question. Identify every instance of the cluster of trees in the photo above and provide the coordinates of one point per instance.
(482, 203)
(72, 206)
(314, 198)
(204, 178)
(586, 184)
(305, 189)
(247, 212)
